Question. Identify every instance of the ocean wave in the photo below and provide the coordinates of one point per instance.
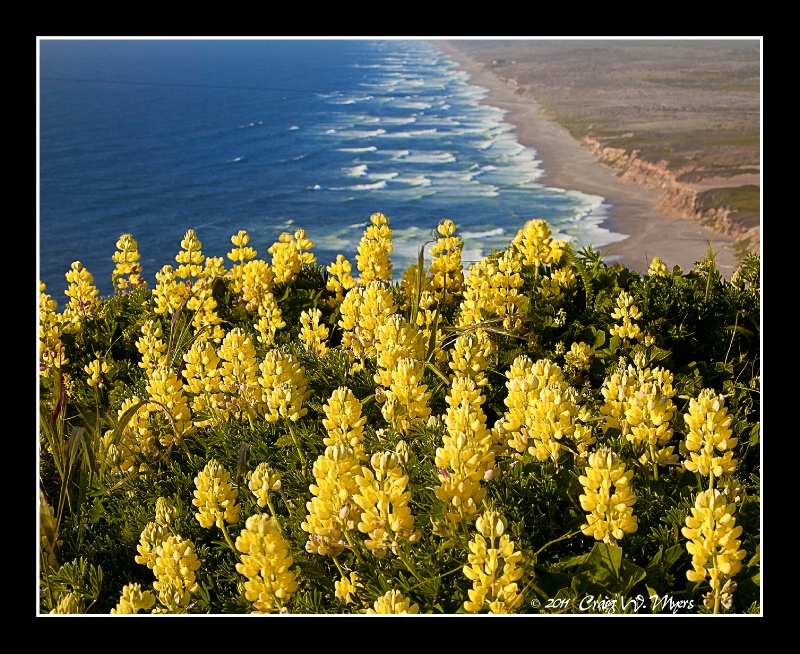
(497, 231)
(370, 148)
(356, 171)
(409, 134)
(361, 133)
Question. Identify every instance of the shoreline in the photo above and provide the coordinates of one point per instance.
(567, 165)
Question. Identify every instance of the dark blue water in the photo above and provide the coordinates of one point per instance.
(158, 137)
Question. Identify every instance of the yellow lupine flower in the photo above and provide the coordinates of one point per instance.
(96, 369)
(215, 497)
(657, 268)
(446, 268)
(374, 249)
(713, 536)
(627, 312)
(710, 439)
(343, 421)
(607, 497)
(312, 333)
(383, 498)
(340, 279)
(263, 480)
(393, 602)
(265, 563)
(469, 356)
(175, 567)
(346, 588)
(407, 398)
(332, 510)
(133, 599)
(290, 254)
(466, 458)
(190, 257)
(126, 275)
(283, 386)
(240, 254)
(82, 294)
(494, 567)
(363, 309)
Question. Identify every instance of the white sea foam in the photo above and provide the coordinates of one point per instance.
(370, 148)
(497, 231)
(356, 171)
(361, 133)
(409, 134)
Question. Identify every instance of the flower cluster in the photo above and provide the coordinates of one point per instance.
(607, 497)
(710, 439)
(190, 258)
(494, 567)
(265, 562)
(363, 309)
(543, 411)
(469, 357)
(347, 587)
(169, 414)
(627, 312)
(393, 602)
(283, 385)
(51, 350)
(263, 480)
(82, 294)
(290, 254)
(175, 565)
(344, 422)
(240, 254)
(446, 269)
(215, 497)
(374, 249)
(466, 458)
(713, 543)
(340, 279)
(382, 496)
(126, 275)
(657, 268)
(313, 333)
(536, 245)
(133, 599)
(332, 511)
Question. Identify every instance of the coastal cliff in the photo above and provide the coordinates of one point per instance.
(674, 197)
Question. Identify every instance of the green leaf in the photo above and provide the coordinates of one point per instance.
(607, 571)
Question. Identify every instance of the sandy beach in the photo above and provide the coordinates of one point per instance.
(650, 232)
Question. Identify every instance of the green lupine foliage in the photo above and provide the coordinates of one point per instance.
(706, 332)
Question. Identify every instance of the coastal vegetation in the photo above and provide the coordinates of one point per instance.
(536, 432)
(692, 105)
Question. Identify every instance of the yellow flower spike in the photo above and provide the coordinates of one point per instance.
(344, 422)
(713, 541)
(446, 269)
(82, 294)
(332, 511)
(126, 275)
(174, 568)
(215, 497)
(347, 588)
(312, 333)
(709, 440)
(494, 567)
(393, 602)
(610, 514)
(133, 599)
(266, 563)
(374, 249)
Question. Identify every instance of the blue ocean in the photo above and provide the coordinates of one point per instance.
(155, 137)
